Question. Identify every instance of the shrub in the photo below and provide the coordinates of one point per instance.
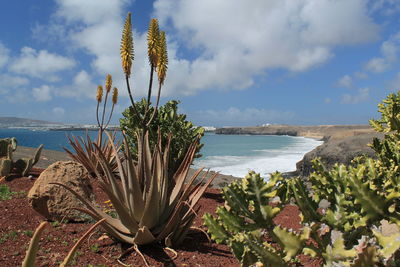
(350, 212)
(182, 132)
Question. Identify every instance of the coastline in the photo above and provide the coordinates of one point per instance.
(319, 132)
(340, 144)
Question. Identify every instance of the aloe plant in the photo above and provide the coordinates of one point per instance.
(150, 207)
(85, 150)
(154, 203)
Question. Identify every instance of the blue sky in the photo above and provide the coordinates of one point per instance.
(232, 62)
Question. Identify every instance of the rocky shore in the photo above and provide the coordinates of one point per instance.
(341, 142)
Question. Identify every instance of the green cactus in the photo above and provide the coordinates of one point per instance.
(6, 162)
(5, 167)
(351, 212)
(4, 143)
(24, 165)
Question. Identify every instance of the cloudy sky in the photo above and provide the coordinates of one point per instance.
(232, 62)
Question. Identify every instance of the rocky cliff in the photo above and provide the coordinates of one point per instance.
(339, 150)
(341, 142)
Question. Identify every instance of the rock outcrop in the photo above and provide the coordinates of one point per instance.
(55, 202)
(342, 143)
(338, 150)
(319, 131)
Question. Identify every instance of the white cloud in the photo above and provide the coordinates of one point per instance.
(42, 93)
(240, 117)
(345, 81)
(327, 100)
(362, 96)
(360, 75)
(386, 7)
(8, 82)
(58, 111)
(389, 50)
(40, 64)
(231, 47)
(82, 85)
(237, 41)
(4, 55)
(394, 84)
(18, 96)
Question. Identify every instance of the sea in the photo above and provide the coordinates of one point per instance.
(228, 154)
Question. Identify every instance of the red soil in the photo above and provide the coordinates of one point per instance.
(18, 221)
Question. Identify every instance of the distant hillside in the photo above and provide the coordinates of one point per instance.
(6, 122)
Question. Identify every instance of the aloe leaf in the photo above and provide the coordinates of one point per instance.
(30, 257)
(72, 252)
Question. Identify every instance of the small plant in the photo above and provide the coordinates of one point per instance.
(28, 233)
(10, 235)
(6, 193)
(86, 151)
(55, 224)
(95, 248)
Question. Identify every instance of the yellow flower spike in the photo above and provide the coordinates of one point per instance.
(108, 82)
(115, 96)
(99, 95)
(127, 46)
(153, 37)
(162, 65)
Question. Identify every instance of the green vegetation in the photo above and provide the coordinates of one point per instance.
(22, 166)
(351, 212)
(146, 183)
(33, 248)
(10, 235)
(172, 125)
(94, 248)
(6, 193)
(28, 233)
(152, 203)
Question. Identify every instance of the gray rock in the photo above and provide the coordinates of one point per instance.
(341, 150)
(54, 202)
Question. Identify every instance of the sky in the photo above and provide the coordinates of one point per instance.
(231, 62)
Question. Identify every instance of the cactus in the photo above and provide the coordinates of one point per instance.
(24, 165)
(6, 159)
(351, 212)
(4, 143)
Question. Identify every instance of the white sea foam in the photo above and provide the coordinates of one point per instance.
(264, 161)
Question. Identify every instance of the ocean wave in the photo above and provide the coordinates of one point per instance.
(263, 161)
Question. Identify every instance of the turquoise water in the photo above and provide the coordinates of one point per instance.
(229, 154)
(237, 154)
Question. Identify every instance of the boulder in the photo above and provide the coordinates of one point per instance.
(55, 202)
